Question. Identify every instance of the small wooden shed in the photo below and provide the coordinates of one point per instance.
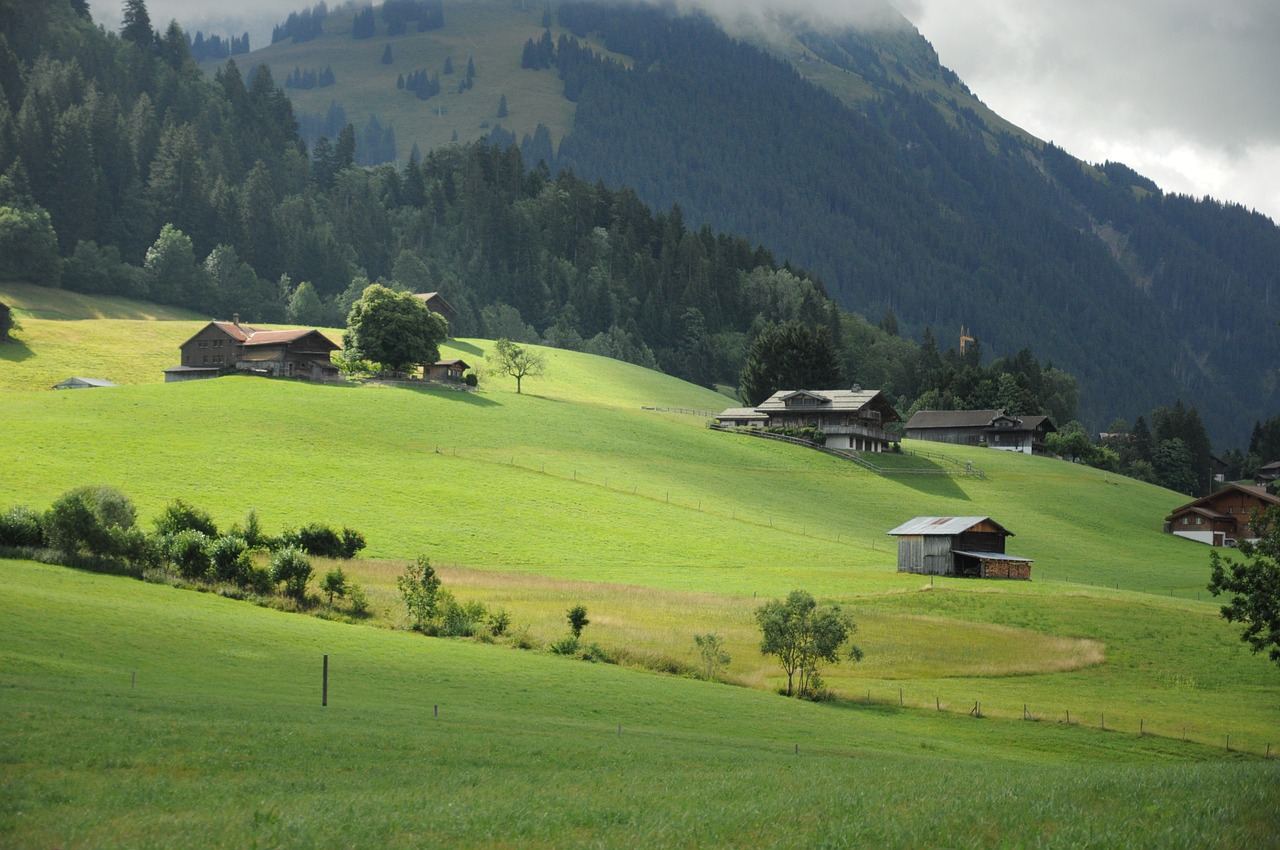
(969, 546)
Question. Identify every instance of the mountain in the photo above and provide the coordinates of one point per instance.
(856, 155)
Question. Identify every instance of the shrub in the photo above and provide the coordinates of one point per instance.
(291, 567)
(229, 558)
(577, 617)
(334, 584)
(89, 520)
(186, 551)
(567, 645)
(258, 580)
(20, 526)
(459, 619)
(180, 516)
(352, 542)
(319, 540)
(498, 622)
(357, 599)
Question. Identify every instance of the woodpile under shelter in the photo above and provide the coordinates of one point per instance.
(966, 546)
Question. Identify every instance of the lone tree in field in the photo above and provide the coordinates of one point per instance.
(393, 329)
(1254, 584)
(515, 360)
(577, 617)
(420, 589)
(802, 635)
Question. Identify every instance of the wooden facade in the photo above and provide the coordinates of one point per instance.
(221, 347)
(990, 428)
(851, 419)
(451, 371)
(971, 547)
(1222, 518)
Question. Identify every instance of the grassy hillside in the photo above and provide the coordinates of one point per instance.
(592, 487)
(139, 716)
(492, 33)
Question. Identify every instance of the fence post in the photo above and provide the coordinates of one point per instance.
(324, 686)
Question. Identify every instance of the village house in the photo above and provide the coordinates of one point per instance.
(221, 347)
(436, 304)
(1222, 518)
(851, 419)
(991, 428)
(445, 370)
(966, 546)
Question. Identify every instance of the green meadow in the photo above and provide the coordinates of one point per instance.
(599, 485)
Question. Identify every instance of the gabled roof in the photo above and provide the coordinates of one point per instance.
(86, 382)
(461, 364)
(1206, 502)
(287, 336)
(943, 526)
(742, 413)
(974, 419)
(850, 401)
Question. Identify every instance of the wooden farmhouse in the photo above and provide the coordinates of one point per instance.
(1222, 518)
(436, 304)
(967, 546)
(851, 419)
(445, 370)
(222, 347)
(991, 428)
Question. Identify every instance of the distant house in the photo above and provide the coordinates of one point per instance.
(221, 347)
(445, 370)
(82, 383)
(435, 303)
(968, 546)
(1222, 518)
(1267, 474)
(851, 419)
(992, 428)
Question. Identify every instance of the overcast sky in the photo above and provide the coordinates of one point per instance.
(1183, 91)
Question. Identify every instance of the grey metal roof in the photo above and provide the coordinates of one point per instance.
(89, 382)
(941, 526)
(992, 556)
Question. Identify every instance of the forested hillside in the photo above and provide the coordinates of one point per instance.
(1144, 296)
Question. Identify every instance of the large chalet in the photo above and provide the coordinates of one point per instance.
(221, 347)
(851, 419)
(1222, 518)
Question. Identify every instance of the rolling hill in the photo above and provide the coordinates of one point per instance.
(599, 485)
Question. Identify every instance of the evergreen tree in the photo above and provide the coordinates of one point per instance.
(135, 24)
(502, 107)
(386, 55)
(790, 356)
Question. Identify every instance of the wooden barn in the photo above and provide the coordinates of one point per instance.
(967, 546)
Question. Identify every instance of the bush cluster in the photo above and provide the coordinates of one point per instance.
(96, 528)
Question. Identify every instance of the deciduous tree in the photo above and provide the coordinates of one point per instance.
(803, 635)
(393, 329)
(1252, 581)
(517, 361)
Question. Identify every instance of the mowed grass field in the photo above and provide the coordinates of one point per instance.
(592, 487)
(142, 716)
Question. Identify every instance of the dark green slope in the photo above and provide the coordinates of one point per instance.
(860, 158)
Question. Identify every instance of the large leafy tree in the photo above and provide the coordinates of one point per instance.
(790, 356)
(803, 635)
(1253, 584)
(394, 329)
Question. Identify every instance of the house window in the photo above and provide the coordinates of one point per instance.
(1186, 520)
(204, 343)
(204, 360)
(217, 358)
(1199, 520)
(217, 343)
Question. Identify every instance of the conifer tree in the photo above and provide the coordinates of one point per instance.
(135, 25)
